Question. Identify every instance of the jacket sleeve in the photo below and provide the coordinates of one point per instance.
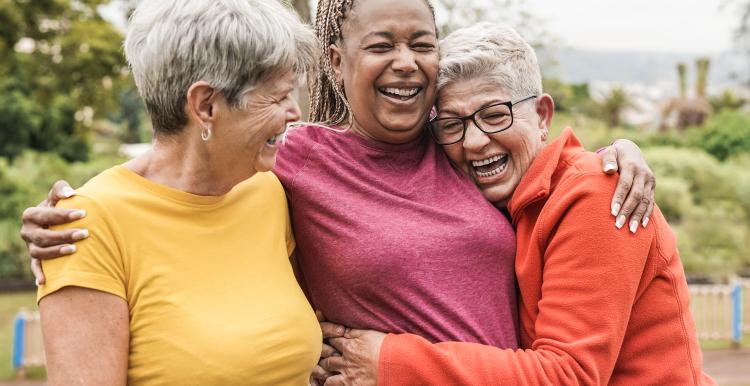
(590, 281)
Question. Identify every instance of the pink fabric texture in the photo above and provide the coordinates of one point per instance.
(393, 238)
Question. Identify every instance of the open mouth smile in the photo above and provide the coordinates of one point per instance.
(403, 94)
(491, 166)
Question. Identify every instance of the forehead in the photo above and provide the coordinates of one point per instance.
(467, 95)
(394, 16)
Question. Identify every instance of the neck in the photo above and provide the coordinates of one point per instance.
(187, 163)
(391, 137)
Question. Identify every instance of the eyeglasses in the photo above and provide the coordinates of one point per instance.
(489, 119)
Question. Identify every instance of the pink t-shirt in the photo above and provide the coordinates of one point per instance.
(393, 238)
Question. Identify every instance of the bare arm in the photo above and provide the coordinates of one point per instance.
(86, 337)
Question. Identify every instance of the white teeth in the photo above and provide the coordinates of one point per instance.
(487, 161)
(495, 172)
(404, 92)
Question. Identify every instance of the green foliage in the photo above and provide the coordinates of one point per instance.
(728, 100)
(61, 65)
(726, 134)
(24, 183)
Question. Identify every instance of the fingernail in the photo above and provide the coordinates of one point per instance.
(633, 226)
(67, 192)
(80, 234)
(78, 214)
(340, 330)
(645, 221)
(36, 281)
(620, 222)
(68, 249)
(616, 208)
(610, 167)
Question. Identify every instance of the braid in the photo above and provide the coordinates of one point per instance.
(328, 103)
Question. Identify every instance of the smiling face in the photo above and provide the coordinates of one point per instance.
(388, 63)
(496, 162)
(251, 133)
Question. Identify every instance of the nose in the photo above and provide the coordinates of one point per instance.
(405, 60)
(293, 113)
(474, 140)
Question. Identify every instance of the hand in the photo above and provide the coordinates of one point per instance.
(46, 244)
(634, 195)
(330, 330)
(358, 365)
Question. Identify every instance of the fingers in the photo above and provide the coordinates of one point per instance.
(51, 252)
(332, 364)
(332, 330)
(624, 183)
(40, 217)
(641, 215)
(60, 191)
(319, 375)
(633, 200)
(609, 160)
(36, 269)
(328, 351)
(46, 238)
(336, 380)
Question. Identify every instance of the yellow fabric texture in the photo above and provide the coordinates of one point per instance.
(211, 292)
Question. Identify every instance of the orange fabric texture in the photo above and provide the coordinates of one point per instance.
(597, 305)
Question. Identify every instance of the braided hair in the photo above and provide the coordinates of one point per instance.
(328, 103)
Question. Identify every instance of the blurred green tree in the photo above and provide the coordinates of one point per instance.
(60, 62)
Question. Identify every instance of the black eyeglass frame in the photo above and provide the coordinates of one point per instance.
(472, 117)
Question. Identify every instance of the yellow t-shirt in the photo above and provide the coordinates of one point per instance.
(212, 295)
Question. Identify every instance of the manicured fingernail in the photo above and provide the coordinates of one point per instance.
(68, 249)
(620, 222)
(78, 214)
(340, 330)
(616, 208)
(36, 281)
(633, 226)
(645, 221)
(67, 192)
(80, 234)
(610, 167)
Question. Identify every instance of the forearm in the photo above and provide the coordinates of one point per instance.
(86, 337)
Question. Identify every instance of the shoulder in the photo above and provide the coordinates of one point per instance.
(98, 196)
(302, 144)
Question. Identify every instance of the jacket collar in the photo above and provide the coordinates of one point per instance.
(536, 183)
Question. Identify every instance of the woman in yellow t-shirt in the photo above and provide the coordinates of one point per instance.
(185, 278)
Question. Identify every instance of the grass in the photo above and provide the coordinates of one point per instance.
(10, 304)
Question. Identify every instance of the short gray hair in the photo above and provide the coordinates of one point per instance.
(492, 51)
(234, 45)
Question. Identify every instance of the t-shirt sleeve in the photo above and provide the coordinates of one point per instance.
(293, 155)
(97, 263)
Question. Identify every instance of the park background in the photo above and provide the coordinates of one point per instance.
(673, 76)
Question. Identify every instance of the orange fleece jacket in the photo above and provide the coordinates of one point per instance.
(597, 305)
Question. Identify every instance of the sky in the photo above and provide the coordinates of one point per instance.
(675, 26)
(690, 26)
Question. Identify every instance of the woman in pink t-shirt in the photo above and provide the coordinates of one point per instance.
(390, 236)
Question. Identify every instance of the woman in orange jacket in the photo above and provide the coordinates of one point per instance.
(597, 305)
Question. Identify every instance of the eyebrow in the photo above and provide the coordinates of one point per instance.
(456, 115)
(389, 35)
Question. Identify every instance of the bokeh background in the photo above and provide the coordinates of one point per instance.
(671, 75)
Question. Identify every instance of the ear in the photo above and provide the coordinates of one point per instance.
(201, 98)
(335, 55)
(545, 109)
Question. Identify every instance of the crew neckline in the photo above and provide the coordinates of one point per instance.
(167, 192)
(419, 142)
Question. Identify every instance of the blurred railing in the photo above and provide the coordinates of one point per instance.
(28, 348)
(721, 311)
